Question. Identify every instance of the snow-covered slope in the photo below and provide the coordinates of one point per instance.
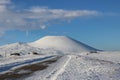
(47, 45)
(15, 47)
(77, 67)
(62, 43)
(24, 49)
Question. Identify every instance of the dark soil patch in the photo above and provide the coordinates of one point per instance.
(29, 69)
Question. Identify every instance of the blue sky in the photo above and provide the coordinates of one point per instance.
(94, 22)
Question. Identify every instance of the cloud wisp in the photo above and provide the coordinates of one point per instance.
(36, 17)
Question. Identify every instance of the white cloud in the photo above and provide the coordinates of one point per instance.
(36, 17)
(60, 13)
(3, 5)
(2, 2)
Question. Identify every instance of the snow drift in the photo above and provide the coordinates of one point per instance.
(62, 43)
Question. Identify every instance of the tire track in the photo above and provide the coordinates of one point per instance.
(56, 72)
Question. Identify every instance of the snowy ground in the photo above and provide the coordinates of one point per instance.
(95, 66)
(84, 68)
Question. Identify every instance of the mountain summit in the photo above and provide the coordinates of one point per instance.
(62, 43)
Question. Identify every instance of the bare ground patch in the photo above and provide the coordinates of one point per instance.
(25, 71)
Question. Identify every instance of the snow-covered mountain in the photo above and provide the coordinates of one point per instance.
(47, 45)
(62, 43)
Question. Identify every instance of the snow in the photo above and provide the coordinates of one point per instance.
(84, 68)
(52, 71)
(61, 70)
(79, 67)
(24, 49)
(46, 45)
(113, 56)
(62, 43)
(76, 61)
